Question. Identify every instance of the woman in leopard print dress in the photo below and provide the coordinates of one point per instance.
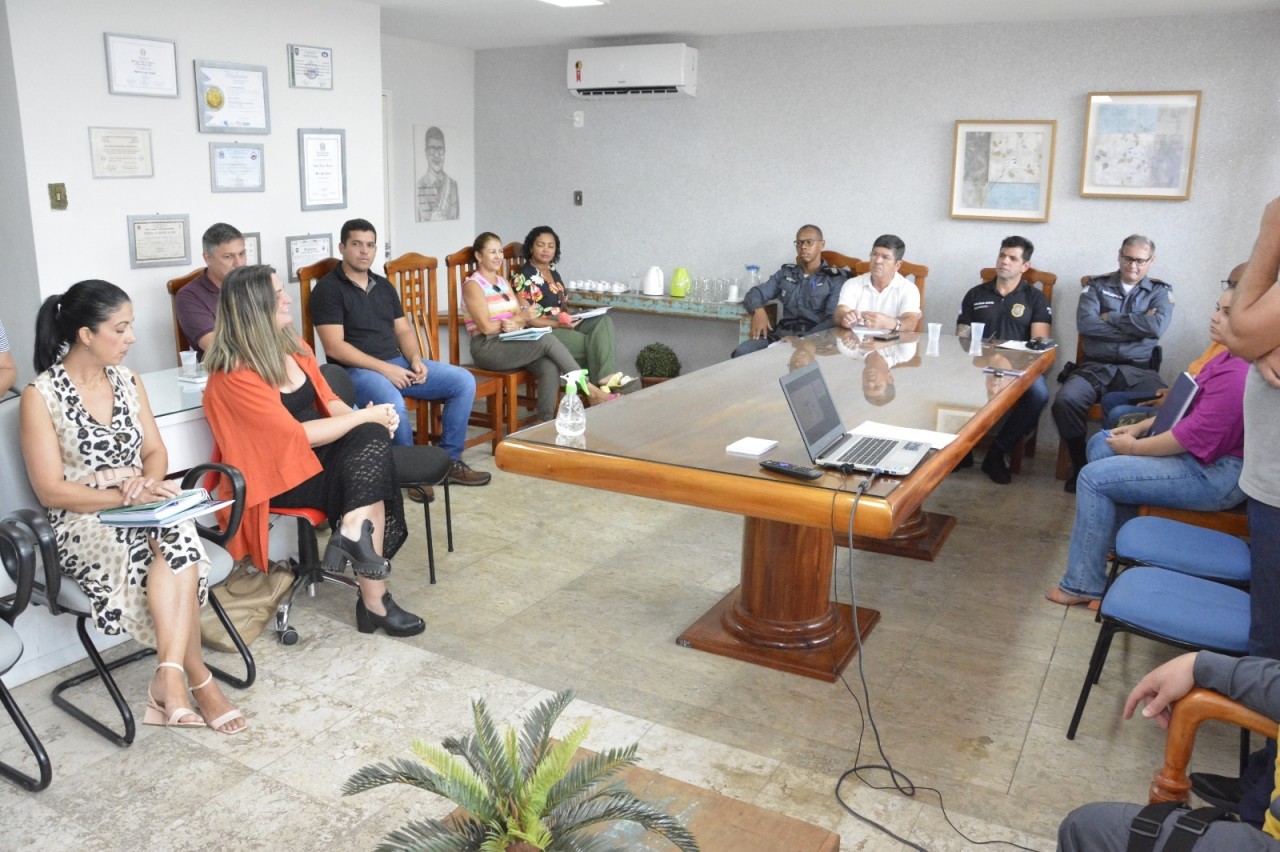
(91, 443)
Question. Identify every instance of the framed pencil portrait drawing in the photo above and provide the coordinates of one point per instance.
(1003, 170)
(1140, 145)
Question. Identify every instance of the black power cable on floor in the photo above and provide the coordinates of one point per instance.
(899, 780)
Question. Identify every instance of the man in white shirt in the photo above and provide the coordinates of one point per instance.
(882, 298)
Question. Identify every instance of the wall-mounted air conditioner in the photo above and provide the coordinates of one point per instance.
(634, 70)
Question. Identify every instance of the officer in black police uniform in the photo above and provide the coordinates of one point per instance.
(1120, 319)
(808, 290)
(1010, 309)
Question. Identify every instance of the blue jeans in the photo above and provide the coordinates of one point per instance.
(1112, 487)
(454, 385)
(1119, 403)
(1024, 416)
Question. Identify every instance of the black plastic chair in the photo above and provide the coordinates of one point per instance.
(418, 466)
(18, 552)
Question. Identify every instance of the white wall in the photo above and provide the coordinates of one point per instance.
(853, 130)
(430, 84)
(21, 293)
(60, 71)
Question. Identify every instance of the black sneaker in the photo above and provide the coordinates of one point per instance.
(994, 466)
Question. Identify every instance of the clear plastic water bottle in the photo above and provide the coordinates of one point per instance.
(571, 417)
(753, 277)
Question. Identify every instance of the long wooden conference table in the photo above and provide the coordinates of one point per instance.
(668, 443)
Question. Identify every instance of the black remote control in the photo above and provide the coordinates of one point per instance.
(798, 471)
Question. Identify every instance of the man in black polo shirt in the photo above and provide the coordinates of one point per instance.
(1010, 309)
(362, 326)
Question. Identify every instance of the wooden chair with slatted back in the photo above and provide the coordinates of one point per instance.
(512, 259)
(1045, 280)
(1095, 411)
(173, 286)
(414, 276)
(459, 266)
(307, 278)
(840, 261)
(917, 272)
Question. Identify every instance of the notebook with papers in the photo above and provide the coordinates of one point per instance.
(1175, 404)
(828, 442)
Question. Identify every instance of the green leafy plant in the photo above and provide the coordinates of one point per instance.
(521, 791)
(657, 360)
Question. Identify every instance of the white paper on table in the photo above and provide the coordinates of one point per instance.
(1019, 345)
(937, 440)
(751, 446)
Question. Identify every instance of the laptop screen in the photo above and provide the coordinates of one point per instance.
(812, 406)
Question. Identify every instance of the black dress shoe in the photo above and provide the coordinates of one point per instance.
(994, 466)
(396, 622)
(1221, 791)
(360, 555)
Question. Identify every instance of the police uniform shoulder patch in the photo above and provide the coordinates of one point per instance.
(1018, 310)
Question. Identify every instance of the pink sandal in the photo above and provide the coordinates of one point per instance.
(159, 715)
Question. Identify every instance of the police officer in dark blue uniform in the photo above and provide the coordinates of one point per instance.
(1010, 309)
(807, 289)
(1120, 319)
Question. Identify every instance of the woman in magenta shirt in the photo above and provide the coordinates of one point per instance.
(1195, 465)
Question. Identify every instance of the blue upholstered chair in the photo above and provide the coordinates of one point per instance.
(1177, 609)
(17, 551)
(1184, 548)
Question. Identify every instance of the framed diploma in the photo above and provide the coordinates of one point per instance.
(236, 167)
(120, 152)
(310, 67)
(306, 250)
(159, 241)
(252, 248)
(322, 169)
(231, 98)
(137, 65)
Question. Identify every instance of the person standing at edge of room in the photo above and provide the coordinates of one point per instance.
(196, 304)
(1010, 309)
(538, 285)
(1120, 318)
(362, 326)
(882, 298)
(806, 289)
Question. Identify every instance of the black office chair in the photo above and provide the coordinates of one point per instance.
(418, 466)
(18, 553)
(58, 597)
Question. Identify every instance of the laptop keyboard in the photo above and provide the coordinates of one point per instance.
(868, 451)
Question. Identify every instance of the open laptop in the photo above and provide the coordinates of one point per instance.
(1175, 404)
(831, 445)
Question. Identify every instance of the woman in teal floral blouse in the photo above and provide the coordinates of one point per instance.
(589, 341)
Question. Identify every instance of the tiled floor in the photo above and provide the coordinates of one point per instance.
(972, 679)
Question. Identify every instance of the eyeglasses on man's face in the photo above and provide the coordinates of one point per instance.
(1134, 261)
(806, 243)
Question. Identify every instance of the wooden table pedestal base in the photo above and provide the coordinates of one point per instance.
(781, 615)
(919, 537)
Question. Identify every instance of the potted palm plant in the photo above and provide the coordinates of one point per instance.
(521, 792)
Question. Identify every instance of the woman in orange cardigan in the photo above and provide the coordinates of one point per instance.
(299, 446)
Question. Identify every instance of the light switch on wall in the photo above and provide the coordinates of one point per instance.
(577, 198)
(57, 196)
(579, 118)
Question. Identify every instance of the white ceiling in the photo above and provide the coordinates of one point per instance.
(480, 24)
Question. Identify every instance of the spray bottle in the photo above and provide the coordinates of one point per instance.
(571, 419)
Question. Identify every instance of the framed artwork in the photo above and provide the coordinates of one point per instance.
(252, 248)
(159, 241)
(120, 152)
(322, 168)
(231, 98)
(1003, 170)
(1140, 145)
(306, 249)
(310, 67)
(137, 65)
(236, 167)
